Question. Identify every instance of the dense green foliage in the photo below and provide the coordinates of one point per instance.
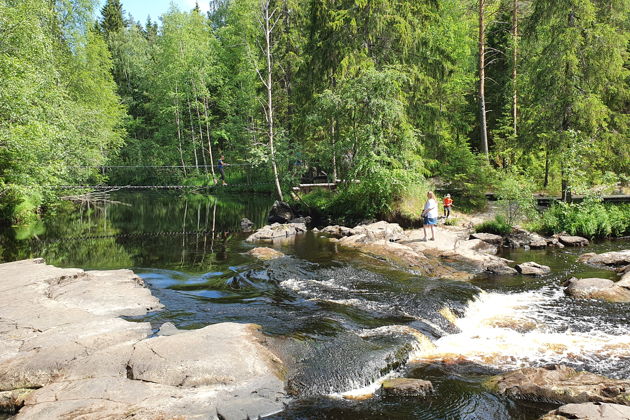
(58, 106)
(498, 226)
(589, 218)
(384, 92)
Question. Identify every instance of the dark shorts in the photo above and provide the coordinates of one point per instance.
(430, 220)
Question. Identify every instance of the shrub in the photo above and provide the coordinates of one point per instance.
(498, 226)
(451, 221)
(590, 218)
(516, 197)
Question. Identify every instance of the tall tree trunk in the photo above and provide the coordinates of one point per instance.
(546, 182)
(179, 130)
(268, 28)
(333, 134)
(564, 180)
(203, 154)
(205, 111)
(482, 80)
(514, 66)
(192, 133)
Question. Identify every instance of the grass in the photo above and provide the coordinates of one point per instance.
(498, 226)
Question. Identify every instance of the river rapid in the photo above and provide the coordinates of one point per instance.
(343, 321)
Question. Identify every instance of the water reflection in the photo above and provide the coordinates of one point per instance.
(143, 229)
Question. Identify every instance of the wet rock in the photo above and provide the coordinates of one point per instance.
(561, 384)
(537, 241)
(406, 387)
(280, 212)
(488, 237)
(265, 254)
(610, 259)
(573, 240)
(246, 225)
(553, 241)
(481, 246)
(595, 288)
(589, 411)
(11, 401)
(533, 269)
(336, 231)
(276, 231)
(500, 269)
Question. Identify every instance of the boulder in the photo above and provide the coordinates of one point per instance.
(246, 225)
(375, 232)
(500, 269)
(533, 269)
(554, 242)
(573, 240)
(265, 254)
(406, 387)
(610, 259)
(336, 231)
(537, 241)
(280, 212)
(595, 288)
(520, 238)
(589, 411)
(488, 237)
(560, 384)
(306, 220)
(277, 231)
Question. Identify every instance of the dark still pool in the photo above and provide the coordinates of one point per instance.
(343, 321)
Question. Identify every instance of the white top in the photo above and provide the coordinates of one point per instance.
(431, 204)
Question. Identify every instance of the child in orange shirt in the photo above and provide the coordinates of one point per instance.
(448, 203)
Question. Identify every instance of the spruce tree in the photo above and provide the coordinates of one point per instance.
(112, 20)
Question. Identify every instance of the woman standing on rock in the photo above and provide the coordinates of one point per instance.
(430, 215)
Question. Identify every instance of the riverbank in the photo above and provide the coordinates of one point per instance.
(69, 352)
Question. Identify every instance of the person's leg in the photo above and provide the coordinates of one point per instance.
(424, 229)
(222, 171)
(432, 233)
(447, 212)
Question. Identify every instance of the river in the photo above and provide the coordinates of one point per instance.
(343, 321)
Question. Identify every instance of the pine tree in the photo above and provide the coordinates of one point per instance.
(112, 20)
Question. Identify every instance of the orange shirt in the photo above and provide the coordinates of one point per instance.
(448, 202)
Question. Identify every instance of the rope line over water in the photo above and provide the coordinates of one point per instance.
(150, 187)
(145, 234)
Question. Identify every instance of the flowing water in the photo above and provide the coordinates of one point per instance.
(343, 321)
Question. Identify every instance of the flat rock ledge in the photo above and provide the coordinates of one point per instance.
(451, 256)
(595, 288)
(608, 259)
(406, 387)
(66, 353)
(589, 411)
(277, 231)
(560, 384)
(573, 240)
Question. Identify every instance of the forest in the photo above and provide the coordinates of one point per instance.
(390, 97)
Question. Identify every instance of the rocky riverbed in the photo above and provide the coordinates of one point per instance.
(67, 352)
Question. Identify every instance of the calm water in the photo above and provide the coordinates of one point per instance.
(342, 320)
